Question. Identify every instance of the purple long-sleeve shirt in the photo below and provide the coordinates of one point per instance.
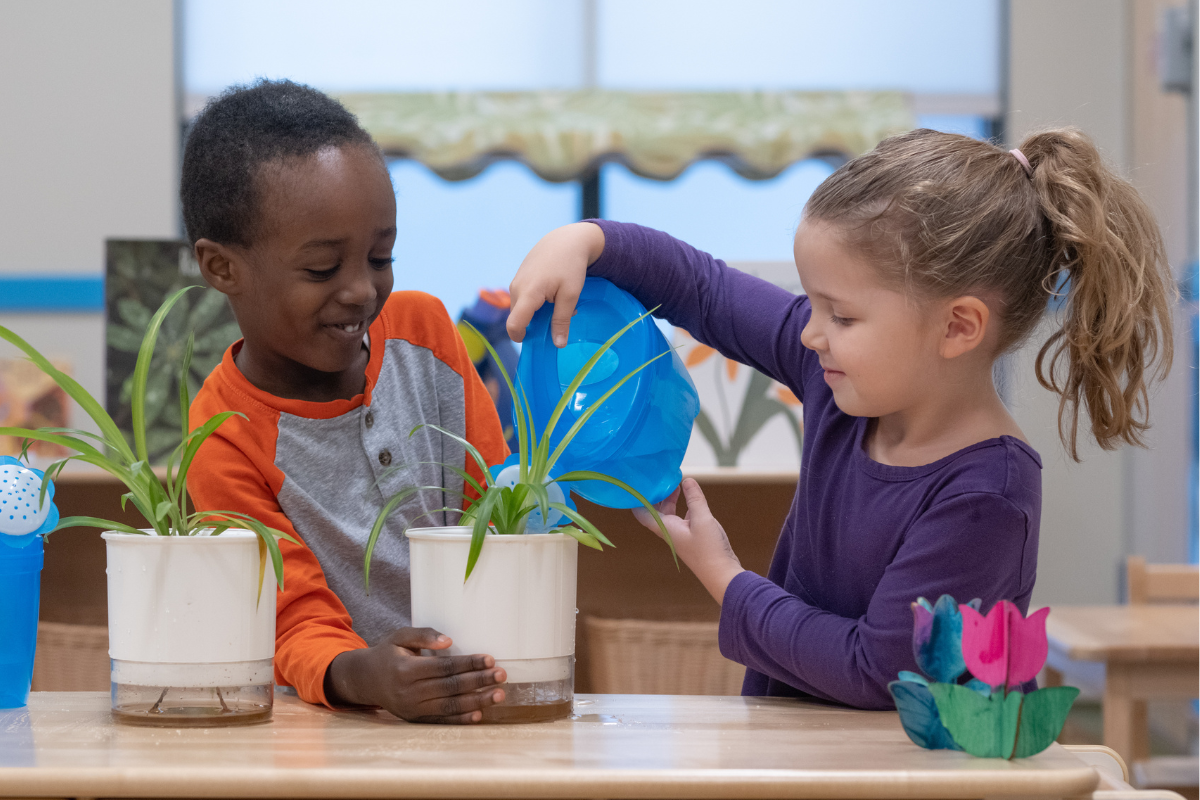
(863, 540)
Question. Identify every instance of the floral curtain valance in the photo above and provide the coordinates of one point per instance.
(563, 135)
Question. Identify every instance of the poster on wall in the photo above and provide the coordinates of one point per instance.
(29, 398)
(140, 274)
(746, 420)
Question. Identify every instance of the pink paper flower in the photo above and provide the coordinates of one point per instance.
(1004, 648)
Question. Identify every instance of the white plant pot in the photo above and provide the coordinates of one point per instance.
(518, 606)
(190, 636)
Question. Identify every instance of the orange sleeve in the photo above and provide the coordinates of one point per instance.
(311, 624)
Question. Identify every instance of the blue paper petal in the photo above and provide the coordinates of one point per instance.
(979, 686)
(919, 716)
(905, 675)
(937, 644)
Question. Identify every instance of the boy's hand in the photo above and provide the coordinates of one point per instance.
(553, 272)
(395, 676)
(699, 539)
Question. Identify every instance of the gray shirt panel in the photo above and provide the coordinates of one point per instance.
(335, 480)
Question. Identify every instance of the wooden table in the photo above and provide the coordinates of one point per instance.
(616, 746)
(1150, 652)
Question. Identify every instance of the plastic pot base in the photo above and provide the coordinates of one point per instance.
(203, 707)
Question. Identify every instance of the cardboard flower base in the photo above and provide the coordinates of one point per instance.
(985, 718)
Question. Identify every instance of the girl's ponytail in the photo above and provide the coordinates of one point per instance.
(1116, 337)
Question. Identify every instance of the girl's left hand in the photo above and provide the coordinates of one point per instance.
(699, 539)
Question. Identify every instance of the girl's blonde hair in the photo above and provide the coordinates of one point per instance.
(944, 215)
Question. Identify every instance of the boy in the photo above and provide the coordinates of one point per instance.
(292, 216)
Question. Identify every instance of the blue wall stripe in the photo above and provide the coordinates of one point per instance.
(52, 293)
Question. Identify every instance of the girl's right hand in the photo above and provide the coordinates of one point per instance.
(553, 272)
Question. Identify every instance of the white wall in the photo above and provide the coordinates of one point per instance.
(89, 149)
(1075, 62)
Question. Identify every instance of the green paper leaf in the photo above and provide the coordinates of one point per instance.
(1042, 717)
(983, 726)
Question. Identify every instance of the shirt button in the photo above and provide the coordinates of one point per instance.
(385, 457)
(369, 419)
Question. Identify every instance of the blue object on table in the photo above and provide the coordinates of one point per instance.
(23, 522)
(640, 434)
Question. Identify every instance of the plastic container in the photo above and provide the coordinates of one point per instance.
(518, 607)
(20, 591)
(190, 637)
(640, 434)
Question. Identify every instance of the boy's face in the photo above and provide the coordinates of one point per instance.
(317, 274)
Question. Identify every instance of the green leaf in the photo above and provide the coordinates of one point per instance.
(112, 434)
(471, 450)
(484, 517)
(582, 522)
(592, 409)
(119, 337)
(1043, 714)
(96, 522)
(141, 371)
(134, 314)
(983, 726)
(185, 399)
(588, 475)
(161, 509)
(568, 393)
(68, 441)
(523, 445)
(585, 539)
(393, 502)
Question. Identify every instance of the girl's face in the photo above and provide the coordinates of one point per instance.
(879, 354)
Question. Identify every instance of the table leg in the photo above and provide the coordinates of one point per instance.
(1125, 728)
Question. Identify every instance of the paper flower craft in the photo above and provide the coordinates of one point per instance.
(24, 514)
(984, 716)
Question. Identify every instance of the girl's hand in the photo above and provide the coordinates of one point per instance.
(395, 676)
(699, 539)
(553, 272)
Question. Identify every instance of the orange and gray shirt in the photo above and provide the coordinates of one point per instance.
(322, 471)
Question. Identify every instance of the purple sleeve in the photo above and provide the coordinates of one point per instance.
(744, 318)
(968, 546)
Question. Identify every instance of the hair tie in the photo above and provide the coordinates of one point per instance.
(1024, 162)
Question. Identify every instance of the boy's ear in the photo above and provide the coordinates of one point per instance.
(220, 266)
(966, 326)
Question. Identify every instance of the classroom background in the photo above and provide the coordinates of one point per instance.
(95, 100)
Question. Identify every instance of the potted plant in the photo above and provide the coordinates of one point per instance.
(191, 629)
(515, 597)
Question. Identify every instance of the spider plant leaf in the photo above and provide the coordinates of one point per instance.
(96, 522)
(126, 498)
(185, 400)
(69, 441)
(471, 450)
(393, 502)
(112, 434)
(523, 444)
(582, 522)
(468, 479)
(141, 371)
(587, 475)
(540, 493)
(161, 509)
(576, 382)
(480, 528)
(585, 539)
(592, 409)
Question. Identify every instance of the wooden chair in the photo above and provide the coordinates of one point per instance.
(1160, 583)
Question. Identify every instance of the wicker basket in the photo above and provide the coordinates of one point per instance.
(71, 658)
(635, 656)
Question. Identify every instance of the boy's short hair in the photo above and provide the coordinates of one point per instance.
(238, 132)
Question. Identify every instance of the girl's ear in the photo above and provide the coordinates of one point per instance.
(966, 326)
(219, 266)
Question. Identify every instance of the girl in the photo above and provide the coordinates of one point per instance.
(923, 262)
